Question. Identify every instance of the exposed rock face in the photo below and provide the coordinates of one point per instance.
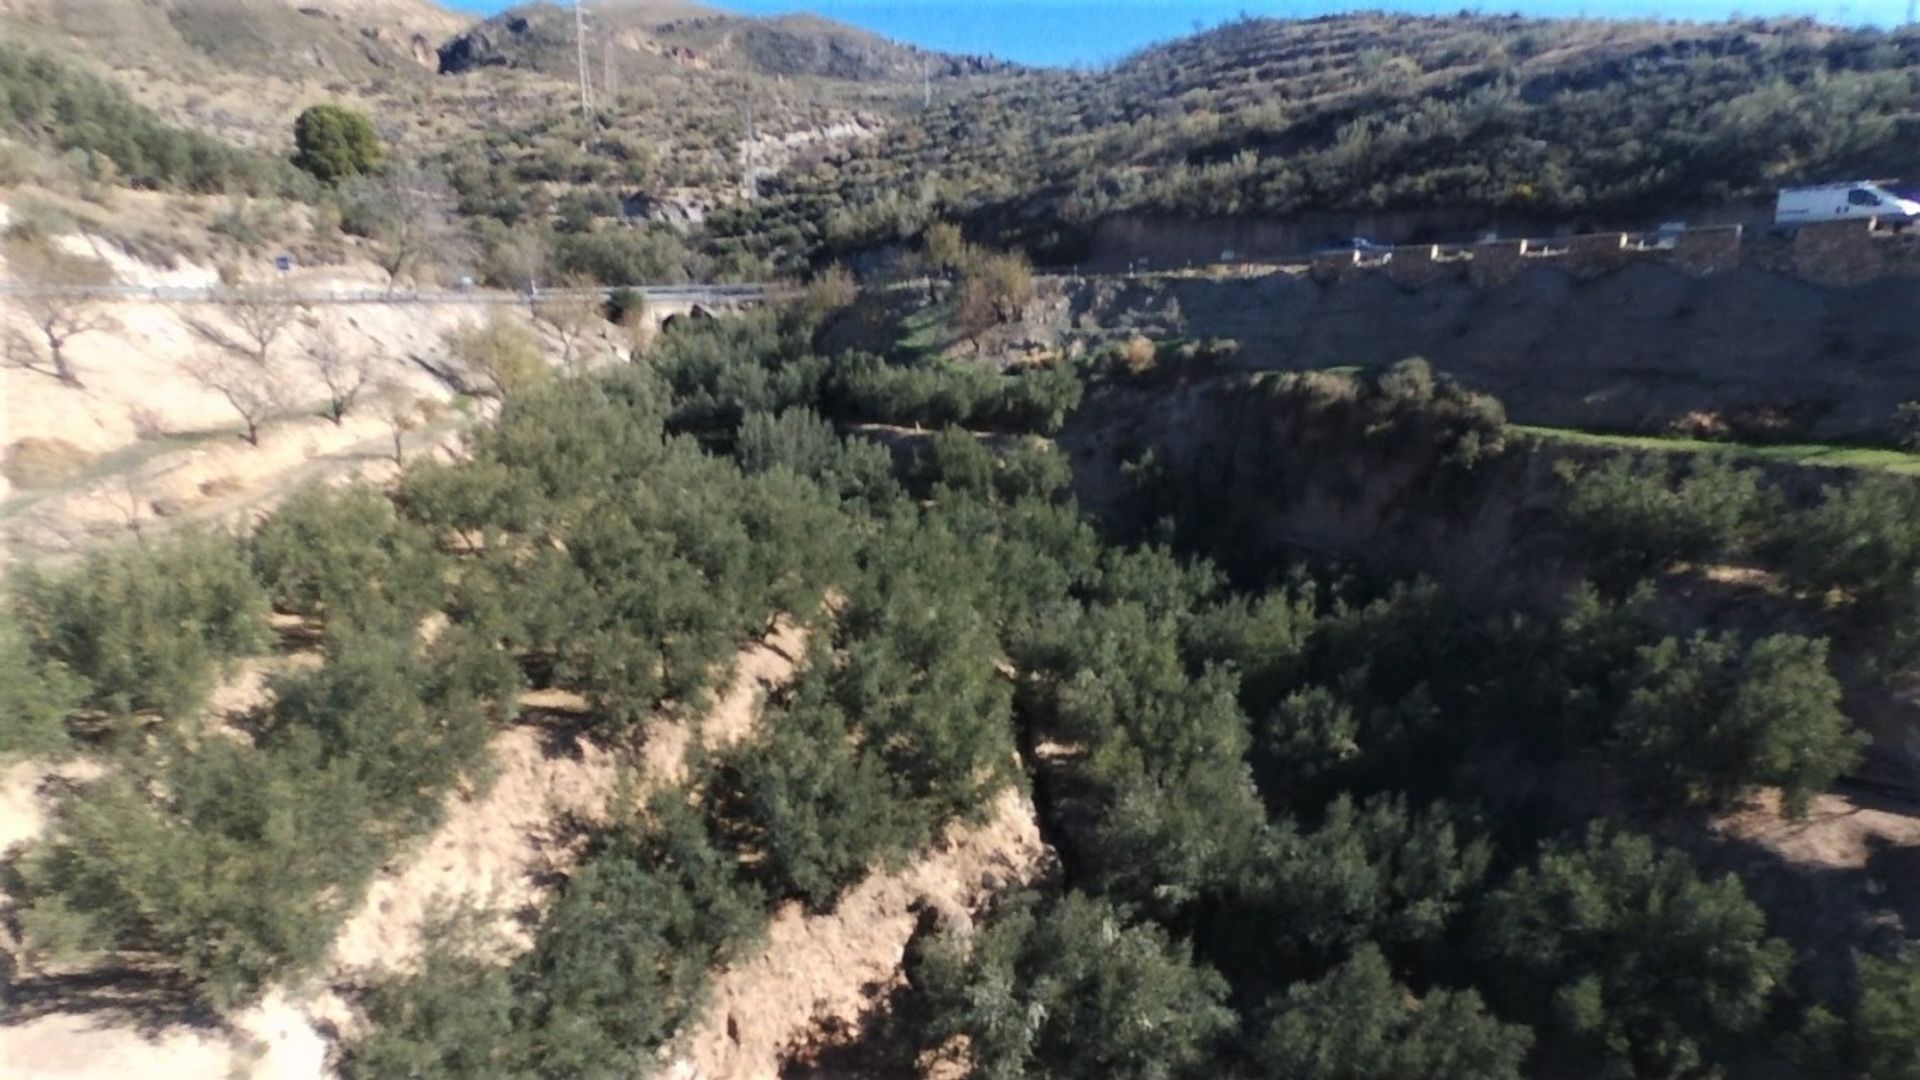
(501, 42)
(799, 46)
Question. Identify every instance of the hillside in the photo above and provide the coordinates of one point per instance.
(635, 39)
(1482, 661)
(693, 109)
(1550, 120)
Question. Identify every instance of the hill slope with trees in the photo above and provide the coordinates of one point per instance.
(1559, 119)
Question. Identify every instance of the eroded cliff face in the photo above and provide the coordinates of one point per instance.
(1642, 348)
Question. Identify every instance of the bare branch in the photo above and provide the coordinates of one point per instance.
(254, 391)
(345, 375)
(62, 312)
(408, 212)
(399, 409)
(571, 315)
(262, 312)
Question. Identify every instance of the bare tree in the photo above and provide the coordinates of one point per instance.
(640, 329)
(262, 312)
(408, 212)
(344, 374)
(571, 314)
(400, 410)
(61, 304)
(1908, 417)
(254, 390)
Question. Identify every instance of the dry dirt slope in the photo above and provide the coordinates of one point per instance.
(817, 977)
(142, 438)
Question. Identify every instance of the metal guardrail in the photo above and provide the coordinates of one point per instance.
(215, 294)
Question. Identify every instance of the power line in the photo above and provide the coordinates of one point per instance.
(580, 49)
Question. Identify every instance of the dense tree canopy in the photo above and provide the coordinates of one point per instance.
(335, 143)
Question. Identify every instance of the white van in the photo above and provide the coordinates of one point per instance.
(1840, 202)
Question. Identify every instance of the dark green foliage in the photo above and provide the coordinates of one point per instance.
(450, 1020)
(228, 876)
(1625, 947)
(1631, 517)
(622, 255)
(668, 558)
(953, 460)
(718, 370)
(343, 556)
(1359, 113)
(146, 626)
(1860, 540)
(919, 675)
(1072, 989)
(236, 862)
(1878, 1035)
(817, 808)
(937, 395)
(1373, 873)
(45, 100)
(35, 697)
(904, 726)
(622, 959)
(400, 731)
(621, 303)
(1030, 400)
(1886, 1017)
(857, 471)
(620, 963)
(1709, 719)
(1165, 752)
(1357, 1024)
(335, 143)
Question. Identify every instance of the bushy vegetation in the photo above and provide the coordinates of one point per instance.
(144, 627)
(333, 143)
(110, 139)
(1628, 948)
(1560, 119)
(1073, 989)
(1309, 823)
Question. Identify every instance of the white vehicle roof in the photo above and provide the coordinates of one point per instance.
(1841, 184)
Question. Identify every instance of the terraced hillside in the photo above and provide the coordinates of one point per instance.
(1557, 118)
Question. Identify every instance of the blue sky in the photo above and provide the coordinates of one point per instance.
(1095, 31)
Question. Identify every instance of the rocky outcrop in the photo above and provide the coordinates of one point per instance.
(506, 41)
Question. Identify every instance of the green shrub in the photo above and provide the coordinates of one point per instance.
(146, 626)
(1072, 989)
(46, 100)
(1632, 517)
(1357, 1024)
(1709, 719)
(1627, 949)
(344, 556)
(333, 143)
(35, 697)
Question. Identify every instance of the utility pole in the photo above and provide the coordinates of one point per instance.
(580, 50)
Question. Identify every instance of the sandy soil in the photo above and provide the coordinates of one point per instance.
(493, 853)
(164, 447)
(819, 976)
(1840, 832)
